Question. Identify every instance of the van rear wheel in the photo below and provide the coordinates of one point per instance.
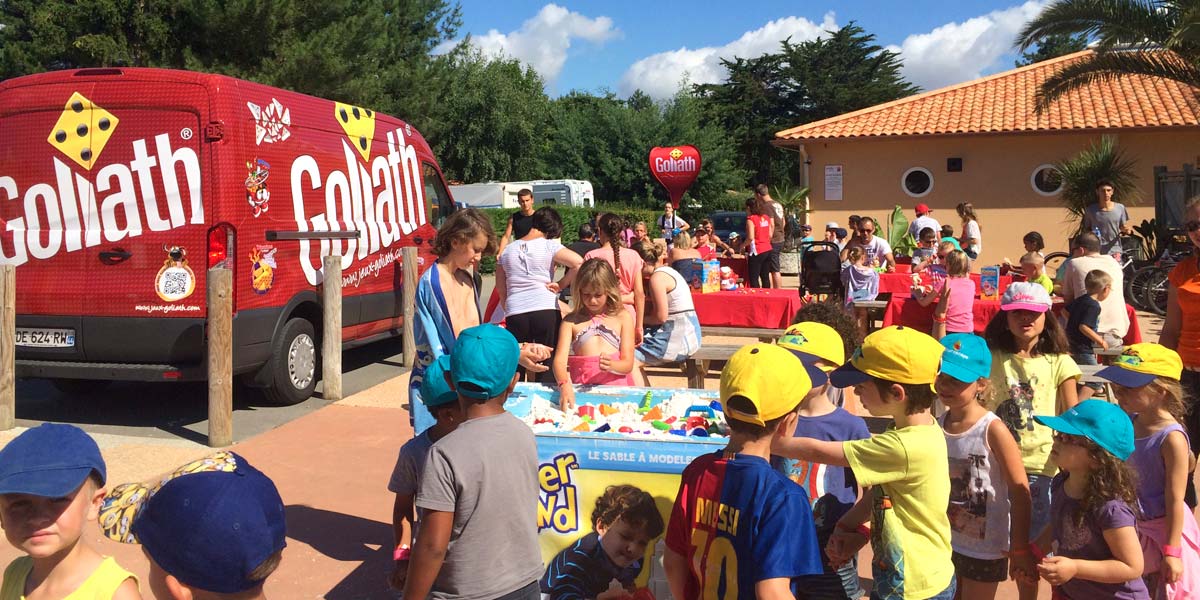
(293, 364)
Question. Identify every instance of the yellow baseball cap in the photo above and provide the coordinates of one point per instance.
(774, 379)
(897, 353)
(1139, 364)
(816, 339)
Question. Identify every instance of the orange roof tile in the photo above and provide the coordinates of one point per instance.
(1004, 102)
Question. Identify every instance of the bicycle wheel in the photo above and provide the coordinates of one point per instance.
(1156, 291)
(1053, 261)
(1135, 287)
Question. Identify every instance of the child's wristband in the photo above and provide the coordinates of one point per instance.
(1038, 555)
(1172, 551)
(1019, 551)
(402, 552)
(941, 319)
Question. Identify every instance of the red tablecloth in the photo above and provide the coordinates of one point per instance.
(752, 307)
(910, 313)
(899, 284)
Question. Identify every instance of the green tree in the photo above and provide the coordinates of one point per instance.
(1081, 173)
(1053, 46)
(1156, 38)
(494, 126)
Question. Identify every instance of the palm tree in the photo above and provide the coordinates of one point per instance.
(1155, 38)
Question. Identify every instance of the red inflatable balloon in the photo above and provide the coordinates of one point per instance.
(675, 167)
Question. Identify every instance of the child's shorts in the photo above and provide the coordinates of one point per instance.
(586, 370)
(979, 569)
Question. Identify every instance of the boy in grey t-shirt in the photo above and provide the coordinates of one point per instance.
(479, 491)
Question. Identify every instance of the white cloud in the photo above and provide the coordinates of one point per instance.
(659, 75)
(543, 40)
(957, 52)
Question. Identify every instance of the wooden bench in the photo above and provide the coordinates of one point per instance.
(1089, 376)
(763, 334)
(696, 366)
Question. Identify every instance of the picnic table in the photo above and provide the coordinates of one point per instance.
(910, 313)
(748, 307)
(899, 284)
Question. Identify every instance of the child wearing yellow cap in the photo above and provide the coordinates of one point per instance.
(893, 373)
(737, 523)
(832, 489)
(1145, 381)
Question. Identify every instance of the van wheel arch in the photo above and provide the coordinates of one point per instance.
(305, 305)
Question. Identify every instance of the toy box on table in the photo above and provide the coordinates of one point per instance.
(618, 435)
(706, 275)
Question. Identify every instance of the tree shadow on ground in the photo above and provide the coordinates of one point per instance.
(347, 538)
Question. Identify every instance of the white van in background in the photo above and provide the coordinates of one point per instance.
(561, 192)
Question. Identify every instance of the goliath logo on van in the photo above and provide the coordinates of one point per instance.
(382, 203)
(77, 209)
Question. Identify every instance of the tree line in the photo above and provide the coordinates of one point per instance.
(488, 118)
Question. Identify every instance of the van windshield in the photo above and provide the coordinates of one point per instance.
(730, 222)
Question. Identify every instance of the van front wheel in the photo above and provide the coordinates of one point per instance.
(293, 364)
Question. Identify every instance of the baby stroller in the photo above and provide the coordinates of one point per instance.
(821, 269)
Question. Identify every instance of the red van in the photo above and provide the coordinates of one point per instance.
(119, 188)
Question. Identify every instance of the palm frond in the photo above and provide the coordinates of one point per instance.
(1102, 161)
(1107, 21)
(1107, 66)
(1185, 38)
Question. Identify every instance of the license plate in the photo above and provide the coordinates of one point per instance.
(45, 338)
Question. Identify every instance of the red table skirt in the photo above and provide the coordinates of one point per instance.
(738, 264)
(910, 313)
(751, 307)
(899, 284)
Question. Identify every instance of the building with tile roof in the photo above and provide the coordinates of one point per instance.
(982, 142)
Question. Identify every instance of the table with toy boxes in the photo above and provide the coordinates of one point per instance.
(616, 436)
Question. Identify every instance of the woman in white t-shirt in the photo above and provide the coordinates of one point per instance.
(525, 277)
(971, 239)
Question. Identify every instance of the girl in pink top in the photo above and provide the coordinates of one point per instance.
(628, 266)
(759, 229)
(955, 312)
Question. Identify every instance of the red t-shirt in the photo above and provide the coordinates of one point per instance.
(762, 232)
(1186, 279)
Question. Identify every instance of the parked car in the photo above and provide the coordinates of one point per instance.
(726, 222)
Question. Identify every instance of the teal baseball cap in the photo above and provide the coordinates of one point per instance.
(967, 357)
(484, 361)
(435, 391)
(1097, 420)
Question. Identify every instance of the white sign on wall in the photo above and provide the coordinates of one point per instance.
(833, 182)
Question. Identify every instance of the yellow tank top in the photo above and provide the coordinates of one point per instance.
(100, 585)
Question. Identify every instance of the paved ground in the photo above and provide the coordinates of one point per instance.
(331, 462)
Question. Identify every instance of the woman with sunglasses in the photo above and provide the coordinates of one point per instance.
(1181, 331)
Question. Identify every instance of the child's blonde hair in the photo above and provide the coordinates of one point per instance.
(1033, 258)
(855, 254)
(596, 273)
(630, 504)
(1096, 280)
(946, 247)
(1176, 403)
(683, 241)
(957, 263)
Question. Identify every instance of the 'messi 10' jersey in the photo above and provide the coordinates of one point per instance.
(739, 522)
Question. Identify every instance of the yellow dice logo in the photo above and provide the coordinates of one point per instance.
(676, 153)
(82, 130)
(359, 125)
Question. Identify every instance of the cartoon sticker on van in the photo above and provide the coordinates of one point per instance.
(257, 194)
(270, 124)
(262, 268)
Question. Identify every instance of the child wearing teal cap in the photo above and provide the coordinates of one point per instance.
(987, 477)
(442, 403)
(1092, 509)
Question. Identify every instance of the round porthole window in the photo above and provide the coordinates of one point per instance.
(1045, 180)
(917, 182)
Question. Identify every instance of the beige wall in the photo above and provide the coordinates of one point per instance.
(995, 178)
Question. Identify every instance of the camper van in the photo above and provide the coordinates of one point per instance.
(120, 188)
(561, 192)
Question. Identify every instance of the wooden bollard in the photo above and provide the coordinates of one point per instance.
(8, 346)
(220, 357)
(331, 338)
(409, 298)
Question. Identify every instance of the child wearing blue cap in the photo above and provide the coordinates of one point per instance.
(987, 477)
(1092, 508)
(51, 486)
(478, 494)
(442, 402)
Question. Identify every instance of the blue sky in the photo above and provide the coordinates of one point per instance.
(621, 46)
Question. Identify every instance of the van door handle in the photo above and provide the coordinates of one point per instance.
(112, 257)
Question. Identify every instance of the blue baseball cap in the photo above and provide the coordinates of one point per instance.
(51, 460)
(1097, 420)
(484, 361)
(210, 523)
(967, 357)
(434, 389)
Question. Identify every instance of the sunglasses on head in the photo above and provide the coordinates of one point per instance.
(1192, 226)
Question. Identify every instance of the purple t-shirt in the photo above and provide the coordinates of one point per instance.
(1086, 542)
(831, 490)
(1147, 462)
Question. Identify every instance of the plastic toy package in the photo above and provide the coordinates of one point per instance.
(682, 414)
